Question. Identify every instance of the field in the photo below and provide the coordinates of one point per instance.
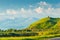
(28, 38)
(22, 38)
(43, 37)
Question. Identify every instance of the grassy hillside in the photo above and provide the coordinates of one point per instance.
(46, 25)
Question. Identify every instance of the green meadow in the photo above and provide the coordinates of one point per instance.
(44, 37)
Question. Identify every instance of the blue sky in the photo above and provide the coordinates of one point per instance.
(5, 4)
(19, 14)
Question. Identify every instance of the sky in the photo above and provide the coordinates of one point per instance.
(19, 14)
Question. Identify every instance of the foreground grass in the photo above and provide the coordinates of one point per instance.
(43, 37)
(22, 38)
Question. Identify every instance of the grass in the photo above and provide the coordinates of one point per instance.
(22, 38)
(43, 37)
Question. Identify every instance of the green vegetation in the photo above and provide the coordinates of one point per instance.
(23, 38)
(46, 24)
(45, 28)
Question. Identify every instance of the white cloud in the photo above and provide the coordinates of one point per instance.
(38, 10)
(10, 11)
(42, 3)
(46, 9)
(22, 10)
(49, 10)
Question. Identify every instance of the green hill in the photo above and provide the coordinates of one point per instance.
(49, 24)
